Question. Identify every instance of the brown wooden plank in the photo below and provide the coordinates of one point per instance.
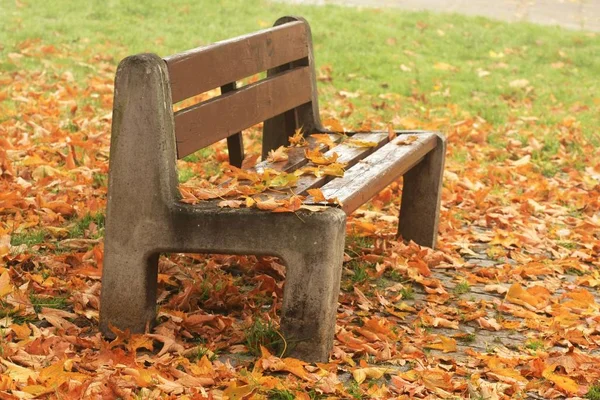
(375, 172)
(220, 117)
(205, 68)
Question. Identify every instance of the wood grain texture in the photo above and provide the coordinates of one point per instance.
(220, 117)
(375, 172)
(205, 68)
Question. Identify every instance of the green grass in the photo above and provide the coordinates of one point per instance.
(407, 293)
(470, 338)
(534, 345)
(264, 333)
(279, 394)
(462, 288)
(185, 174)
(593, 392)
(39, 302)
(79, 228)
(200, 352)
(29, 238)
(446, 58)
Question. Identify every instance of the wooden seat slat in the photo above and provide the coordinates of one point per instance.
(348, 155)
(378, 170)
(220, 117)
(202, 69)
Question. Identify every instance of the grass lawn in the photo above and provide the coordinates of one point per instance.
(506, 305)
(445, 59)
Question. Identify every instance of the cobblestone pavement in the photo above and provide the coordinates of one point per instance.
(571, 14)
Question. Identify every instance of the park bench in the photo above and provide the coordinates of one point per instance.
(145, 216)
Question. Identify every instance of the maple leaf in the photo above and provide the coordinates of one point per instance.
(230, 203)
(269, 204)
(563, 382)
(323, 138)
(169, 344)
(404, 140)
(281, 154)
(352, 142)
(283, 180)
(532, 298)
(298, 140)
(443, 343)
(316, 157)
(360, 374)
(6, 286)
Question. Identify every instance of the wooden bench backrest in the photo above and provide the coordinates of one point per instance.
(284, 51)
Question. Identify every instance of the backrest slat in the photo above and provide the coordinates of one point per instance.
(220, 117)
(205, 68)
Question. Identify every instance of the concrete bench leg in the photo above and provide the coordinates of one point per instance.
(128, 291)
(311, 290)
(142, 182)
(420, 208)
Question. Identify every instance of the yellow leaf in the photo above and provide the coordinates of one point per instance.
(316, 157)
(38, 390)
(22, 331)
(360, 143)
(562, 382)
(278, 155)
(335, 169)
(442, 66)
(230, 203)
(404, 140)
(267, 205)
(333, 125)
(18, 373)
(313, 208)
(445, 344)
(298, 139)
(283, 180)
(535, 297)
(6, 286)
(323, 138)
(317, 195)
(361, 374)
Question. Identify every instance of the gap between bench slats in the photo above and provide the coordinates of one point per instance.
(205, 68)
(206, 123)
(372, 174)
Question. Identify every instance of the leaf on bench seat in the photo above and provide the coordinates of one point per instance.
(323, 138)
(298, 140)
(281, 154)
(406, 140)
(335, 169)
(316, 157)
(230, 203)
(360, 143)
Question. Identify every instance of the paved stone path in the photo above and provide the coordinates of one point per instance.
(571, 14)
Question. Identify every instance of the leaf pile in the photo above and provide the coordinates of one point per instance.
(506, 307)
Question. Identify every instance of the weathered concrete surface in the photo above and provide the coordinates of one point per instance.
(571, 14)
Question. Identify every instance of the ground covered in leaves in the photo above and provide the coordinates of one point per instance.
(507, 307)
